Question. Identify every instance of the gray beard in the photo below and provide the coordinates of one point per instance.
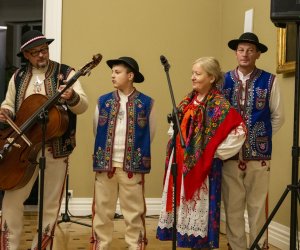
(42, 65)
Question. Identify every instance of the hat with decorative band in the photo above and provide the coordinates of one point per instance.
(31, 39)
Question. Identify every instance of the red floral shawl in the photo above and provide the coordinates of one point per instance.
(204, 127)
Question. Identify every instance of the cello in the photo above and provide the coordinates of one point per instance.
(21, 142)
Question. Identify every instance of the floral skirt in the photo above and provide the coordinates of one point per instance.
(198, 220)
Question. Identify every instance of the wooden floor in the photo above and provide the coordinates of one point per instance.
(72, 236)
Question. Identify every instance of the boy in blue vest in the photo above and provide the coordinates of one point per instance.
(124, 128)
(255, 94)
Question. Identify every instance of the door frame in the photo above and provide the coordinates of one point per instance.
(52, 26)
(52, 21)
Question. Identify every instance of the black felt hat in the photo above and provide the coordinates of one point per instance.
(130, 62)
(31, 39)
(248, 37)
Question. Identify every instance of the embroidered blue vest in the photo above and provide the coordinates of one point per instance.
(137, 157)
(255, 111)
(64, 145)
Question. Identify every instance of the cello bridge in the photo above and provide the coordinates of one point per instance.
(10, 140)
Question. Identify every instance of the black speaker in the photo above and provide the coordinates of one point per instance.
(285, 11)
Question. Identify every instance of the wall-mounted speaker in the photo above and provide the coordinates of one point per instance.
(285, 11)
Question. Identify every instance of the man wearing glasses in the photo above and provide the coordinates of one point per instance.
(40, 76)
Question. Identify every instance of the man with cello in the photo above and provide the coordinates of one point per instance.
(40, 77)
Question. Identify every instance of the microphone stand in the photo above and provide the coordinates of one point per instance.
(176, 127)
(43, 119)
(65, 216)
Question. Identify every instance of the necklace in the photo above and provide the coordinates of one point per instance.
(37, 85)
(121, 114)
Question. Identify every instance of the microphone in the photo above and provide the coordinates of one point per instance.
(164, 62)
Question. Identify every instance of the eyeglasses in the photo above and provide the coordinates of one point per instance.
(36, 53)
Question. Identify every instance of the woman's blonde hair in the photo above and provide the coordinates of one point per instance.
(212, 67)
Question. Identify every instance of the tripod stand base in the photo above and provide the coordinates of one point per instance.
(66, 218)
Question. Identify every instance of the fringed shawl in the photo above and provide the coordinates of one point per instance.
(204, 127)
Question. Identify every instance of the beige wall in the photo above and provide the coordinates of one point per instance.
(182, 31)
(144, 30)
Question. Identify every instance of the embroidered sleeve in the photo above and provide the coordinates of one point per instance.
(74, 100)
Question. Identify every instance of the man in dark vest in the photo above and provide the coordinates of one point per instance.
(255, 94)
(45, 77)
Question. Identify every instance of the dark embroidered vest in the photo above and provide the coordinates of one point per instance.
(137, 157)
(255, 111)
(56, 73)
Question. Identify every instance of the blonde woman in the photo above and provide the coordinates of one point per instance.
(213, 131)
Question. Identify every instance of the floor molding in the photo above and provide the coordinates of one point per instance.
(83, 206)
(279, 235)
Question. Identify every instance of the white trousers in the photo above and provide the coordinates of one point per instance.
(130, 192)
(247, 188)
(13, 208)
